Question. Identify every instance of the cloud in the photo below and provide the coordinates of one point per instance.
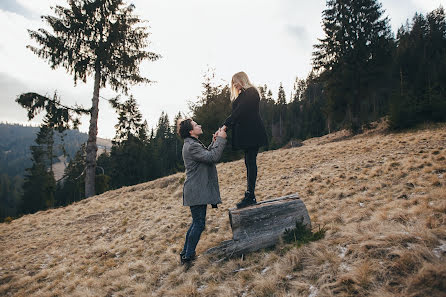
(399, 14)
(299, 32)
(270, 40)
(10, 88)
(23, 71)
(250, 38)
(41, 7)
(16, 7)
(426, 6)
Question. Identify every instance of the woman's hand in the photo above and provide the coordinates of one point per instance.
(214, 136)
(221, 133)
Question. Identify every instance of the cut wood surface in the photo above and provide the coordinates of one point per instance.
(261, 225)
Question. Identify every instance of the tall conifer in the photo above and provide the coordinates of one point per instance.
(103, 38)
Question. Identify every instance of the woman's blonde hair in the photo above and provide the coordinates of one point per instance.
(242, 80)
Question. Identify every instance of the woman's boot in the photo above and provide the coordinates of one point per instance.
(249, 199)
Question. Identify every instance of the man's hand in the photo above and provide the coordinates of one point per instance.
(221, 132)
(214, 136)
(224, 128)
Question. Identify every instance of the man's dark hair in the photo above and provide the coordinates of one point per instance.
(183, 128)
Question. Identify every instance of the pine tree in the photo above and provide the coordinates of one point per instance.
(281, 98)
(211, 110)
(129, 120)
(39, 185)
(267, 109)
(178, 142)
(72, 186)
(299, 89)
(129, 162)
(10, 195)
(420, 71)
(163, 128)
(353, 58)
(281, 110)
(143, 132)
(101, 37)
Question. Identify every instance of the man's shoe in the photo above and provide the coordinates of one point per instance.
(187, 262)
(182, 256)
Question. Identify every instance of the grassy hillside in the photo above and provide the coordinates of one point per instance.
(381, 196)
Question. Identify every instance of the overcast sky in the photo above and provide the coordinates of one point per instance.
(271, 40)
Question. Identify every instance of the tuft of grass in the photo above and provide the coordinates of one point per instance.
(8, 220)
(301, 234)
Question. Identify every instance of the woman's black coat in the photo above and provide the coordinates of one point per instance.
(247, 127)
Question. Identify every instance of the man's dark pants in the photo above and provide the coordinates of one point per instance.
(195, 229)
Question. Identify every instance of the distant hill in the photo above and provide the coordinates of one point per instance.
(16, 139)
(381, 196)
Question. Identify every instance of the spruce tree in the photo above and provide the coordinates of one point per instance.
(71, 188)
(104, 38)
(129, 120)
(353, 58)
(128, 158)
(178, 143)
(267, 109)
(420, 71)
(39, 184)
(281, 110)
(10, 195)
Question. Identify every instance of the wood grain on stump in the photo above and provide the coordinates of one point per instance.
(261, 225)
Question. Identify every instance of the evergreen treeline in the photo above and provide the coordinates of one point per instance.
(16, 156)
(11, 194)
(419, 93)
(17, 139)
(139, 155)
(361, 72)
(39, 184)
(354, 62)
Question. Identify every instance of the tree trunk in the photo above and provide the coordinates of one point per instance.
(329, 122)
(92, 148)
(262, 225)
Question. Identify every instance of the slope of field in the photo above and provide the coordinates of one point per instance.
(381, 196)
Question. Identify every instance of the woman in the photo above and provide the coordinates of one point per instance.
(248, 131)
(201, 184)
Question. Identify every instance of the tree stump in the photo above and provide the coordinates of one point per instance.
(261, 225)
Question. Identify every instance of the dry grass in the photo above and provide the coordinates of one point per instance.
(381, 196)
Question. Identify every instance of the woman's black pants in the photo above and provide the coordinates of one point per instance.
(251, 168)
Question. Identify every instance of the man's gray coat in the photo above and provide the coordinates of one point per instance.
(201, 184)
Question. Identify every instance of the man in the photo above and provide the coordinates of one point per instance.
(201, 184)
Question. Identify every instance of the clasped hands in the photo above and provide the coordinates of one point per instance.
(220, 132)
